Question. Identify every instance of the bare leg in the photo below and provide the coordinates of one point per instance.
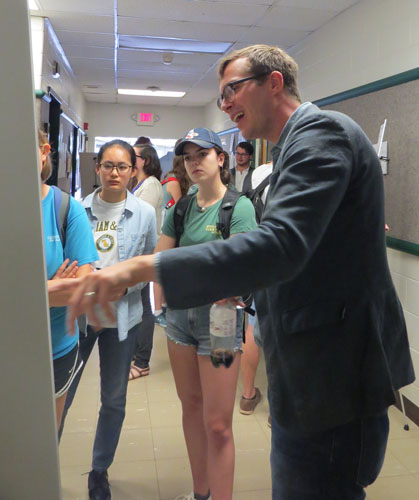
(59, 408)
(187, 378)
(249, 364)
(218, 390)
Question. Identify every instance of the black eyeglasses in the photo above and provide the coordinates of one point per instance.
(229, 90)
(139, 156)
(241, 154)
(108, 167)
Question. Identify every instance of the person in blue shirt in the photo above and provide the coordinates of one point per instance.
(123, 227)
(74, 260)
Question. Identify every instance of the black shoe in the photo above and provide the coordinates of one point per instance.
(98, 485)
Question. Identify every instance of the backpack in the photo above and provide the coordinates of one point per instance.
(62, 207)
(255, 196)
(225, 213)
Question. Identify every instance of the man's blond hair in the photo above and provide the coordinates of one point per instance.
(263, 59)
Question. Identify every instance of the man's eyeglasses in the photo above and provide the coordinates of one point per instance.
(230, 89)
(241, 154)
(108, 167)
(139, 156)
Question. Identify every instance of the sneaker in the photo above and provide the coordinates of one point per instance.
(186, 497)
(247, 406)
(160, 319)
(98, 485)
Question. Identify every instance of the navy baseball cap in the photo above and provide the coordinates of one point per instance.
(203, 137)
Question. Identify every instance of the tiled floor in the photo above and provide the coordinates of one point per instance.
(151, 461)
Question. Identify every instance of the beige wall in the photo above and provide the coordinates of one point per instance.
(45, 50)
(110, 120)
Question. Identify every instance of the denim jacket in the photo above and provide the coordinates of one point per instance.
(136, 236)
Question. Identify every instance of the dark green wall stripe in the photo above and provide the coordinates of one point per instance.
(403, 246)
(391, 81)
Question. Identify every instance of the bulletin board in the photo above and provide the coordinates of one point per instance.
(397, 100)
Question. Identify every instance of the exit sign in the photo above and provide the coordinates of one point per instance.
(145, 119)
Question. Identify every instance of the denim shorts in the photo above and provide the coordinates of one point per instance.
(190, 327)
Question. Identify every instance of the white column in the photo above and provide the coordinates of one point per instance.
(28, 444)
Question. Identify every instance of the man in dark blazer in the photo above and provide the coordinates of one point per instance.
(333, 331)
(241, 174)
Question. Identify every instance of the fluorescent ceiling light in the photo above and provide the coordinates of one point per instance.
(176, 45)
(151, 93)
(33, 5)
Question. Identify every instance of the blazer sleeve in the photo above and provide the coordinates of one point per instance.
(309, 181)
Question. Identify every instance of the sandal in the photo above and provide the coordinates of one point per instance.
(137, 372)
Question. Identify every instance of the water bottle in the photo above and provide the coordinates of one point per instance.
(223, 320)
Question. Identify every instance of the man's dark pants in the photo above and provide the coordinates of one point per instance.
(333, 465)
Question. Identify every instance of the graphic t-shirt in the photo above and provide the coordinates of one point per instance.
(79, 246)
(105, 235)
(200, 225)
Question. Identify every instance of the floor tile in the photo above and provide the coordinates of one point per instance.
(252, 470)
(134, 481)
(394, 488)
(166, 414)
(169, 442)
(174, 477)
(253, 495)
(407, 452)
(76, 449)
(74, 482)
(135, 445)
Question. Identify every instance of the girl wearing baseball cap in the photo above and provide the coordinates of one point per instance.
(207, 393)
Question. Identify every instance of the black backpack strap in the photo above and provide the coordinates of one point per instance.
(225, 212)
(259, 188)
(179, 216)
(62, 207)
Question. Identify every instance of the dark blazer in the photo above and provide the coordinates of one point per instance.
(247, 183)
(333, 330)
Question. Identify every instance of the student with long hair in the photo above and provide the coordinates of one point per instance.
(175, 185)
(146, 186)
(207, 393)
(123, 226)
(64, 259)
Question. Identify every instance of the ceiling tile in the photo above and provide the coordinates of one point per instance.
(283, 38)
(82, 51)
(138, 56)
(87, 64)
(71, 21)
(128, 80)
(90, 39)
(201, 11)
(332, 5)
(179, 29)
(98, 7)
(159, 67)
(296, 18)
(101, 98)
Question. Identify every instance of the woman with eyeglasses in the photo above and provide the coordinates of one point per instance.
(147, 187)
(66, 257)
(123, 226)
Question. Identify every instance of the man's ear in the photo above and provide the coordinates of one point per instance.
(276, 81)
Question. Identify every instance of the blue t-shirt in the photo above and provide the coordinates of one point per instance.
(79, 246)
